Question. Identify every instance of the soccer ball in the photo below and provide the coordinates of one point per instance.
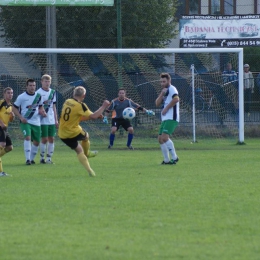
(128, 113)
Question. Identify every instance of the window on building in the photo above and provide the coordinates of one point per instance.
(228, 7)
(215, 7)
(194, 7)
(221, 7)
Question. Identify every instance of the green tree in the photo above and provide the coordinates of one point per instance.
(145, 24)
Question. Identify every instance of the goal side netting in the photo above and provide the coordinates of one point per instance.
(211, 102)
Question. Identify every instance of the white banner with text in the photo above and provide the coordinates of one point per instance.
(197, 31)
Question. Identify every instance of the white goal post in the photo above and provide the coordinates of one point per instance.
(238, 51)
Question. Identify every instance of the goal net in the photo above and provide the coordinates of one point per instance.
(210, 97)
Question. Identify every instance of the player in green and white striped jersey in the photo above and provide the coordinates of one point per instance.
(50, 123)
(28, 108)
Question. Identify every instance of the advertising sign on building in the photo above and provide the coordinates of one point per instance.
(197, 31)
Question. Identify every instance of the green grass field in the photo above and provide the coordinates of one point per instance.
(205, 207)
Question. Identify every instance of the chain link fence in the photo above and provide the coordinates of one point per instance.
(216, 101)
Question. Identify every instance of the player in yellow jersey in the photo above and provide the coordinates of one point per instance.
(70, 132)
(6, 116)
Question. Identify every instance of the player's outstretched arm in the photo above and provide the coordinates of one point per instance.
(100, 111)
(147, 111)
(138, 107)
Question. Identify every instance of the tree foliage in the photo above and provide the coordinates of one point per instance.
(145, 24)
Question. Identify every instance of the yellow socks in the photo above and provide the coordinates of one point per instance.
(85, 145)
(1, 166)
(84, 161)
(2, 152)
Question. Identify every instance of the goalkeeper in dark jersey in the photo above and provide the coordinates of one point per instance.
(117, 106)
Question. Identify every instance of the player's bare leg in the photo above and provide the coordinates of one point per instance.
(84, 160)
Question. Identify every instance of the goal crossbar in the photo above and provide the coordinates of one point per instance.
(115, 51)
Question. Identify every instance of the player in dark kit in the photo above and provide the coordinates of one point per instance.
(117, 106)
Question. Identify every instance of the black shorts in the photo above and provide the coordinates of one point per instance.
(116, 122)
(5, 137)
(73, 142)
